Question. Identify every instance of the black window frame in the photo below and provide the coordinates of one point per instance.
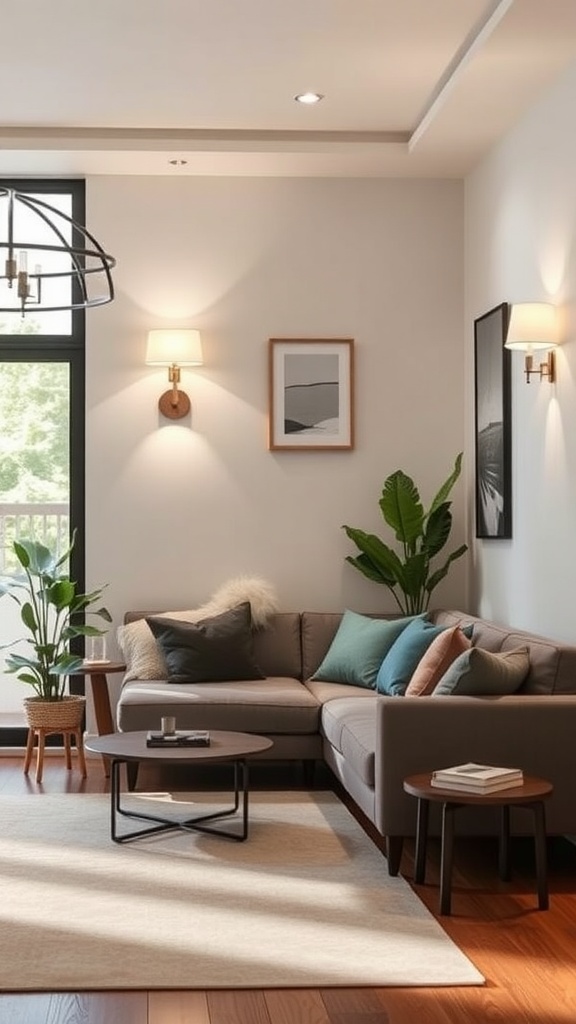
(59, 348)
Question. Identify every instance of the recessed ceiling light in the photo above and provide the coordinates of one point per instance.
(309, 97)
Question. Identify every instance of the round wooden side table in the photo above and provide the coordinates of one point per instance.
(97, 672)
(531, 795)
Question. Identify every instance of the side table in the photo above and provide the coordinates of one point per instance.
(97, 671)
(531, 795)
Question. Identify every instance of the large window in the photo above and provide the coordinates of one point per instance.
(41, 436)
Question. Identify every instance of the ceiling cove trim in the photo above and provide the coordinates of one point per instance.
(125, 138)
(473, 42)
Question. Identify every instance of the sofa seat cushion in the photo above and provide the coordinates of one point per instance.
(324, 691)
(272, 705)
(349, 725)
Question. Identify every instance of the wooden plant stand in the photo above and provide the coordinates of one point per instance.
(40, 733)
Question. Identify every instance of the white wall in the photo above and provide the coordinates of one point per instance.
(175, 509)
(520, 246)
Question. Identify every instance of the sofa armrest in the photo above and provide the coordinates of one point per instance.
(420, 734)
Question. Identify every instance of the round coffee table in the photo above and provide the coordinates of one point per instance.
(129, 747)
(530, 794)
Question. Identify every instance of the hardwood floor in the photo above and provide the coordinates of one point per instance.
(527, 956)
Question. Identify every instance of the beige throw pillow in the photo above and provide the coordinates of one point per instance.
(443, 650)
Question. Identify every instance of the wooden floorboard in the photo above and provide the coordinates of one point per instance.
(528, 957)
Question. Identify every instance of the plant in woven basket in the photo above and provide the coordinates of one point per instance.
(53, 613)
(421, 534)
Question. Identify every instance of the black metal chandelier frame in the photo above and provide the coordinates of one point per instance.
(87, 257)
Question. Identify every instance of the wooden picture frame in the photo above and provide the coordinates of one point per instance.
(311, 394)
(493, 431)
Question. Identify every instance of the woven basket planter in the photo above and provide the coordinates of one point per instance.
(66, 713)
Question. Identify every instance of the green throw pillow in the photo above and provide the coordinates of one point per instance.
(404, 656)
(480, 673)
(356, 652)
(216, 649)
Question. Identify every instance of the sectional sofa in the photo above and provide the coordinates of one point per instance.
(372, 741)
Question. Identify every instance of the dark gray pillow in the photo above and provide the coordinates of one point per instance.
(218, 649)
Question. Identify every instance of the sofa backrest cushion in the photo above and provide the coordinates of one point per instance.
(552, 663)
(276, 646)
(318, 632)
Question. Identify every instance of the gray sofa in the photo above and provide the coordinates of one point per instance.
(372, 742)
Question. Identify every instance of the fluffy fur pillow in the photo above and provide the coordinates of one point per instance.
(260, 595)
(141, 651)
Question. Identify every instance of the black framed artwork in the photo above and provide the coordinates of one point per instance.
(493, 433)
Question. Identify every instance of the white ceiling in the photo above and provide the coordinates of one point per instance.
(411, 87)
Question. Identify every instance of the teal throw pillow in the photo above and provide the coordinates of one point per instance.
(403, 657)
(480, 673)
(358, 648)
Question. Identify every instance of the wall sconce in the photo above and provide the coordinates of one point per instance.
(174, 348)
(534, 326)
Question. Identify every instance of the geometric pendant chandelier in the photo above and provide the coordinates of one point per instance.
(48, 261)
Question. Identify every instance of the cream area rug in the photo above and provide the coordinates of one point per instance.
(306, 901)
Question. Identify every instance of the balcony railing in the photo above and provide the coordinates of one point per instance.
(47, 522)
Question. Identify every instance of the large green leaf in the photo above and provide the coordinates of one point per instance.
(34, 556)
(382, 558)
(67, 664)
(414, 573)
(401, 507)
(28, 616)
(364, 565)
(61, 594)
(447, 485)
(22, 553)
(437, 530)
(17, 661)
(439, 574)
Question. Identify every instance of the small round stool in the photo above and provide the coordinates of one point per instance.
(40, 733)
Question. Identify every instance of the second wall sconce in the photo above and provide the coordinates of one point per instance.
(534, 327)
(174, 348)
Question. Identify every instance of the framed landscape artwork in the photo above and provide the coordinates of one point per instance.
(493, 425)
(311, 394)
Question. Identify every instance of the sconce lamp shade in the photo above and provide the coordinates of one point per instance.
(174, 346)
(533, 325)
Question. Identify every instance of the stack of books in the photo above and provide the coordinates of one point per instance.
(477, 778)
(180, 738)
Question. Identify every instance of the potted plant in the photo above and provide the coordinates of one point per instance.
(421, 534)
(53, 613)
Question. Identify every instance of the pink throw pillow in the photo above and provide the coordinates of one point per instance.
(443, 650)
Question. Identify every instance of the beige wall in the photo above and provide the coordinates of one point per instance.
(520, 247)
(174, 510)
